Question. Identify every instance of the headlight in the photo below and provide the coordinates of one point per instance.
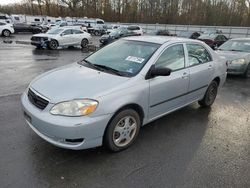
(238, 62)
(74, 108)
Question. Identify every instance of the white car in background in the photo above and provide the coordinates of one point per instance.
(6, 29)
(63, 37)
(136, 29)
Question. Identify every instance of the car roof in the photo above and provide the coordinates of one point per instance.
(159, 39)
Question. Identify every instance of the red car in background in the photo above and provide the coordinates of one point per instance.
(214, 40)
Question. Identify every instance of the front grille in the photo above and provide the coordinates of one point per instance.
(36, 100)
(39, 38)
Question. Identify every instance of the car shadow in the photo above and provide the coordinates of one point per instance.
(163, 149)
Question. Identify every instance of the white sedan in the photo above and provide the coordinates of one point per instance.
(6, 29)
(63, 37)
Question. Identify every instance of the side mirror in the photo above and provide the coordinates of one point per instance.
(154, 72)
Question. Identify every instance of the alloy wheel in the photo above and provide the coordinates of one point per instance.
(125, 131)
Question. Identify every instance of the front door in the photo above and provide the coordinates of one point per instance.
(168, 92)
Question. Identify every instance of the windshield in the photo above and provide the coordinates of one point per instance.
(236, 45)
(54, 31)
(125, 56)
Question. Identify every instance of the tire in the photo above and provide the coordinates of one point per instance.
(53, 44)
(122, 131)
(210, 95)
(84, 43)
(247, 73)
(6, 33)
(96, 33)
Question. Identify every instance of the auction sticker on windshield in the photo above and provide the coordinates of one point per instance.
(135, 59)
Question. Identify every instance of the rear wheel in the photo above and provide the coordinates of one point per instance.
(247, 73)
(53, 45)
(6, 33)
(210, 95)
(84, 43)
(122, 131)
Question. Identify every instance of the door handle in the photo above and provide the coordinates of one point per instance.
(185, 75)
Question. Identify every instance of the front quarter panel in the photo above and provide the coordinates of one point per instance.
(135, 92)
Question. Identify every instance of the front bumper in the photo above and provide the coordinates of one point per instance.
(66, 132)
(236, 69)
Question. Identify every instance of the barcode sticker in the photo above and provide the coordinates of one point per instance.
(135, 59)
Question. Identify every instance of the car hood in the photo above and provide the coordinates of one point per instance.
(44, 35)
(76, 82)
(232, 55)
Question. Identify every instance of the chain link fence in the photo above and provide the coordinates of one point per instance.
(230, 32)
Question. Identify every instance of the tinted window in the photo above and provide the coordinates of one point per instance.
(37, 20)
(2, 23)
(133, 28)
(197, 54)
(16, 18)
(100, 22)
(173, 58)
(3, 17)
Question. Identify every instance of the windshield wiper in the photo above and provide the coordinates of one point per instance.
(91, 64)
(106, 68)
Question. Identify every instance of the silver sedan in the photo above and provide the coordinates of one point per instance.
(106, 98)
(237, 52)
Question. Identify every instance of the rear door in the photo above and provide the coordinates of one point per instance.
(78, 35)
(200, 69)
(168, 92)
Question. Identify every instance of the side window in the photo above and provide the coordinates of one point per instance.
(173, 58)
(67, 32)
(2, 23)
(37, 20)
(77, 31)
(197, 54)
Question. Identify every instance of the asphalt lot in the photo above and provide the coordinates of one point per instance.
(192, 147)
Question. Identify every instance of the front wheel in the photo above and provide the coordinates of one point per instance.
(6, 33)
(53, 45)
(210, 95)
(122, 131)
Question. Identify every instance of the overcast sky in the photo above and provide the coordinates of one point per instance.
(5, 2)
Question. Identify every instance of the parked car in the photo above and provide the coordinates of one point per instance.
(119, 88)
(116, 34)
(136, 29)
(64, 36)
(111, 28)
(213, 40)
(163, 33)
(237, 52)
(190, 34)
(23, 27)
(6, 29)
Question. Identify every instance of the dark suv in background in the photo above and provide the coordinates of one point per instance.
(23, 27)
